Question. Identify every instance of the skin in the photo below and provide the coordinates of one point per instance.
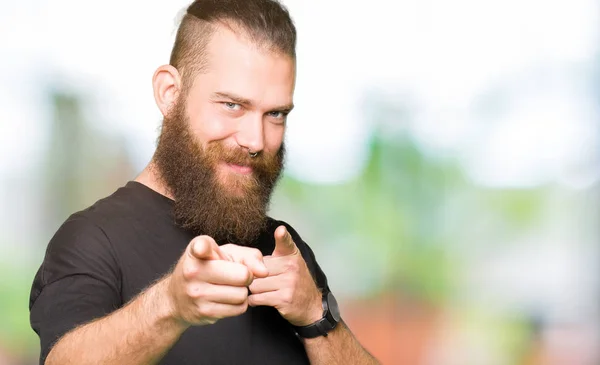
(242, 100)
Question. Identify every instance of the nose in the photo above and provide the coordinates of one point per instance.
(250, 134)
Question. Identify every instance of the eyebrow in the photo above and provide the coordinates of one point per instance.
(244, 101)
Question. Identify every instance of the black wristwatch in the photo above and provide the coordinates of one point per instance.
(331, 317)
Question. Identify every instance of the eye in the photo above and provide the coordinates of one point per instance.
(277, 114)
(232, 106)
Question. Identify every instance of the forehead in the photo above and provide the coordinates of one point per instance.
(237, 65)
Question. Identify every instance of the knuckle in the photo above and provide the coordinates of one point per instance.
(242, 308)
(237, 310)
(191, 291)
(247, 277)
(189, 270)
(227, 247)
(292, 266)
(287, 296)
(256, 253)
(242, 295)
(200, 310)
(206, 310)
(196, 291)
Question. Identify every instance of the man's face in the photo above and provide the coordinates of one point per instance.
(238, 105)
(241, 102)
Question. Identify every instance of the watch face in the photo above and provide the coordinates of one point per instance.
(334, 310)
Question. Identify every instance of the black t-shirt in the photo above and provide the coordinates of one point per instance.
(102, 257)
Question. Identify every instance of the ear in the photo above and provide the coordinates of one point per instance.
(166, 83)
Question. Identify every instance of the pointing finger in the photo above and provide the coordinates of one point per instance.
(284, 245)
(205, 248)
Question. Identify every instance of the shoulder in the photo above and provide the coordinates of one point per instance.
(129, 206)
(88, 238)
(82, 236)
(79, 245)
(83, 247)
(118, 205)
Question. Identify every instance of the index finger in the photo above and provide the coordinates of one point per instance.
(206, 248)
(284, 244)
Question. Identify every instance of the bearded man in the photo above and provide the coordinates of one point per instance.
(183, 265)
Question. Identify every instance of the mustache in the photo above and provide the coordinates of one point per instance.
(240, 156)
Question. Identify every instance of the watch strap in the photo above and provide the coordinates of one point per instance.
(320, 327)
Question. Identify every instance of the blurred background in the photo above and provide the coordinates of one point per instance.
(443, 162)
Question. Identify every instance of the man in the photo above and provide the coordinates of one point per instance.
(182, 265)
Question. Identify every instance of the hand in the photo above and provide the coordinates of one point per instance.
(210, 282)
(290, 287)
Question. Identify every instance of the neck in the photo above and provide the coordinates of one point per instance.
(150, 177)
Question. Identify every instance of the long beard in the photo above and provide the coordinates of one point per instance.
(230, 208)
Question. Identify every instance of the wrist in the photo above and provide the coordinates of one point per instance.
(164, 304)
(315, 312)
(328, 321)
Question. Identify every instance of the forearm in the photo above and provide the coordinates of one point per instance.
(139, 333)
(340, 347)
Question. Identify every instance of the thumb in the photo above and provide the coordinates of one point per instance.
(284, 245)
(205, 248)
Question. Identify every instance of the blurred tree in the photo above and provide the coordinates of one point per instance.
(84, 163)
(402, 224)
(394, 210)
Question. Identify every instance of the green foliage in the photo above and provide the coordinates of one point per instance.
(15, 331)
(394, 207)
(520, 207)
(409, 213)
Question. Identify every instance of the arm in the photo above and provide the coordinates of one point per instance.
(139, 333)
(339, 347)
(291, 289)
(204, 287)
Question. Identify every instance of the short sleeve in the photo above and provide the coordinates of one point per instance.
(78, 281)
(309, 256)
